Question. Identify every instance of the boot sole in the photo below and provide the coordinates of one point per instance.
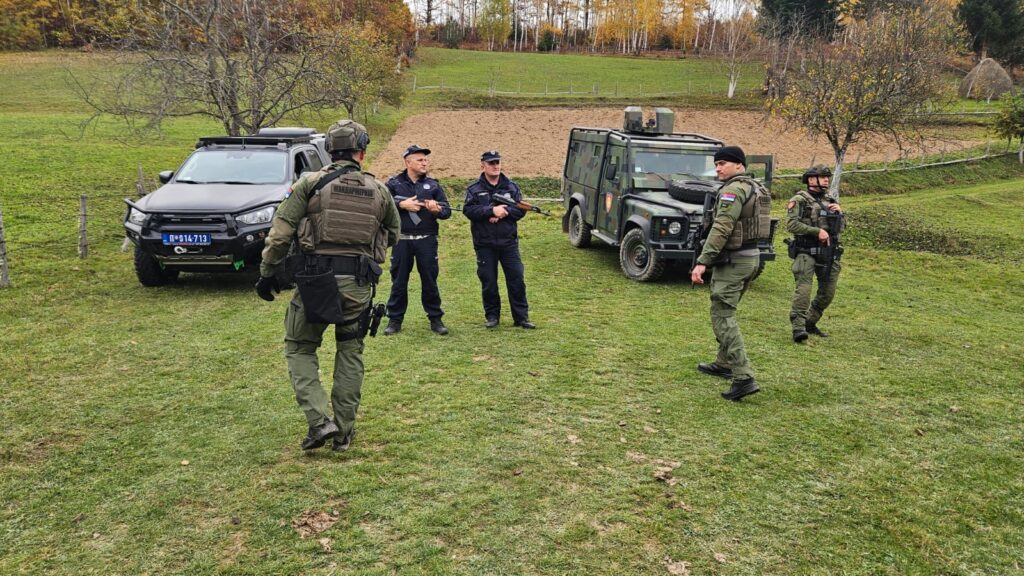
(738, 397)
(725, 375)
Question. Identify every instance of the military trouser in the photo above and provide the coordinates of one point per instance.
(422, 253)
(301, 341)
(804, 311)
(728, 284)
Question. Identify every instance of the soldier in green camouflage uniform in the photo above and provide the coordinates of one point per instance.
(807, 218)
(731, 251)
(341, 218)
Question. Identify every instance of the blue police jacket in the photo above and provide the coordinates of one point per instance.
(425, 188)
(478, 207)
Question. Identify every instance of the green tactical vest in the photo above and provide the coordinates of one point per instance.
(815, 211)
(344, 219)
(755, 221)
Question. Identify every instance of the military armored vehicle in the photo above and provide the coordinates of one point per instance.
(645, 189)
(213, 213)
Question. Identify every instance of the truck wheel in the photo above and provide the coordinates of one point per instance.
(149, 271)
(638, 261)
(579, 230)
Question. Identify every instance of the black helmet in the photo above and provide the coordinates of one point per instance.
(816, 170)
(346, 135)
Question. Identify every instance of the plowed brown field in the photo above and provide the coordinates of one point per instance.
(533, 142)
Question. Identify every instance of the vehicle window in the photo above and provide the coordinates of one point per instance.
(670, 162)
(314, 161)
(301, 165)
(235, 167)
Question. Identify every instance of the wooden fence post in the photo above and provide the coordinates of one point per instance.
(5, 279)
(414, 83)
(83, 240)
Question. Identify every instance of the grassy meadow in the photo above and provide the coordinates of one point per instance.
(153, 431)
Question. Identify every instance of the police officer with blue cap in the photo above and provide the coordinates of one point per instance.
(421, 203)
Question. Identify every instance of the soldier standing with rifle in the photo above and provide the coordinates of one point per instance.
(421, 203)
(815, 219)
(343, 221)
(741, 218)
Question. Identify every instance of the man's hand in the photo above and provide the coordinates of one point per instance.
(410, 205)
(697, 274)
(500, 211)
(433, 206)
(823, 237)
(264, 285)
(833, 207)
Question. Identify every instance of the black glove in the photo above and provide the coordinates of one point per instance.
(264, 285)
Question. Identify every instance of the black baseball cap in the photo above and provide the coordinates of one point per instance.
(414, 149)
(490, 155)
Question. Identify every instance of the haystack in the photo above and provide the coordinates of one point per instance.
(986, 81)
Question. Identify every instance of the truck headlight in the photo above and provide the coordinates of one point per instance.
(675, 228)
(261, 216)
(136, 217)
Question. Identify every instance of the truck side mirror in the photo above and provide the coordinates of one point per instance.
(165, 176)
(610, 170)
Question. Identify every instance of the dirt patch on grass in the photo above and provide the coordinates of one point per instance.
(533, 142)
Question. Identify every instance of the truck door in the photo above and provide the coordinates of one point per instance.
(613, 181)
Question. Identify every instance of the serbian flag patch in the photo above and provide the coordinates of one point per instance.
(727, 197)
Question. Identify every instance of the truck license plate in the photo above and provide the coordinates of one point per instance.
(186, 239)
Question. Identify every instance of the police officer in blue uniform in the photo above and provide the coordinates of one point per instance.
(496, 241)
(421, 203)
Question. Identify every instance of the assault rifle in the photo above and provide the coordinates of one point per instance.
(508, 201)
(414, 216)
(830, 254)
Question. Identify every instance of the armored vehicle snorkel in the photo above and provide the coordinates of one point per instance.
(646, 189)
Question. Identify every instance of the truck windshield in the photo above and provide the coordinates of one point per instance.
(674, 162)
(235, 167)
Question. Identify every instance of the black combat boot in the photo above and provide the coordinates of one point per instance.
(714, 369)
(525, 324)
(490, 322)
(800, 335)
(343, 444)
(740, 388)
(438, 327)
(393, 328)
(813, 329)
(319, 435)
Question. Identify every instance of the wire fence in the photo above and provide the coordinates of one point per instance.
(587, 89)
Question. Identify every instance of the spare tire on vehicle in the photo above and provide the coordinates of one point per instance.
(692, 191)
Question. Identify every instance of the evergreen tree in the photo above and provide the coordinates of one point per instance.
(813, 17)
(996, 28)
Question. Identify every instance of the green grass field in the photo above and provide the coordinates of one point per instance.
(154, 430)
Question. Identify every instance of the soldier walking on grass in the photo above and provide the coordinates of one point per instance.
(343, 221)
(741, 218)
(815, 219)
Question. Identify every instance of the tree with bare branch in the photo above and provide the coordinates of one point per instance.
(246, 63)
(871, 78)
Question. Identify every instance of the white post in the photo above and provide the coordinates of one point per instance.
(5, 279)
(414, 76)
(83, 240)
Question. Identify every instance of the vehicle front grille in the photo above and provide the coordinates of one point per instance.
(189, 222)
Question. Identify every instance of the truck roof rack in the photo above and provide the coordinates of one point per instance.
(287, 131)
(252, 140)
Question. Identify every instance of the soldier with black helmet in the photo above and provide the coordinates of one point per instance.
(343, 220)
(741, 219)
(815, 219)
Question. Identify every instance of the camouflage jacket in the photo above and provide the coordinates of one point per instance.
(731, 198)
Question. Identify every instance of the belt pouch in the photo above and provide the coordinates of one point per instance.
(320, 298)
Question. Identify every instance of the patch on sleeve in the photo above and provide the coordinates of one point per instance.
(791, 204)
(287, 192)
(727, 197)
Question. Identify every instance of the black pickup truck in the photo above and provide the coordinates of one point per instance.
(213, 213)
